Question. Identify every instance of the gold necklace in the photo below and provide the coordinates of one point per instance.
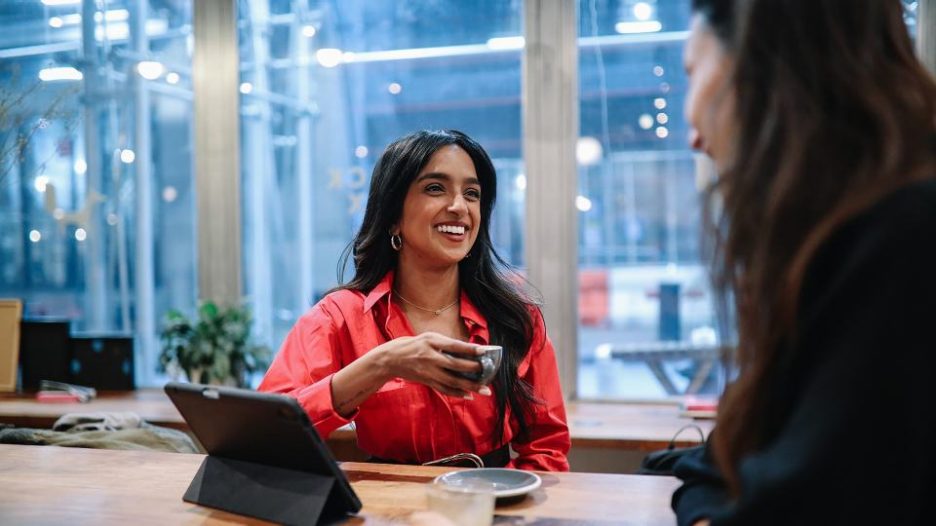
(437, 312)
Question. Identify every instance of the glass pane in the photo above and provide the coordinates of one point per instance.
(325, 89)
(646, 324)
(96, 201)
(911, 11)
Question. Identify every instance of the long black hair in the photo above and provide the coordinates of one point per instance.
(833, 112)
(483, 276)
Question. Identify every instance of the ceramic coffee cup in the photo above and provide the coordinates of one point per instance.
(490, 361)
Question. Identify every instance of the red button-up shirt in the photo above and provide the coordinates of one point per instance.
(407, 421)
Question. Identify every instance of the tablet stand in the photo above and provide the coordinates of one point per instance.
(266, 492)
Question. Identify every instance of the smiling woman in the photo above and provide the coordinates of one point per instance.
(428, 295)
(441, 212)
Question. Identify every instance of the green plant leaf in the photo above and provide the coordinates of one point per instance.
(216, 345)
(208, 310)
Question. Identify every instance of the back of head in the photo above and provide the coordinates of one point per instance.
(719, 16)
(825, 84)
(833, 111)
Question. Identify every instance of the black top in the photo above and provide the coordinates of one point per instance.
(851, 417)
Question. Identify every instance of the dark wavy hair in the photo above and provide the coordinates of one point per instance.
(483, 276)
(833, 112)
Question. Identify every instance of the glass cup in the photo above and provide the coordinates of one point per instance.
(468, 503)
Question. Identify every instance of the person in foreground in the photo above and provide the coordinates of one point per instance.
(822, 125)
(428, 290)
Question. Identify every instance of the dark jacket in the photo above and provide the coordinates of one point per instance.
(850, 419)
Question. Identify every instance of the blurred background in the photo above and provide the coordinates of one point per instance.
(98, 204)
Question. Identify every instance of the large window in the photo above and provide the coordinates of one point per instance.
(325, 87)
(96, 204)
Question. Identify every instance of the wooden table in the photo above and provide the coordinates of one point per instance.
(53, 485)
(22, 410)
(153, 405)
(633, 427)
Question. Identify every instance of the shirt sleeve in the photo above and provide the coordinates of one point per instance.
(703, 492)
(305, 364)
(856, 445)
(546, 446)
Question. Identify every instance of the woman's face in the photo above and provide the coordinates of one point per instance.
(442, 210)
(710, 97)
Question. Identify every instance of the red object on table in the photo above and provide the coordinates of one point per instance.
(57, 397)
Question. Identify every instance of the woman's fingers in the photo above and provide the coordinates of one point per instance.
(451, 345)
(459, 364)
(435, 360)
(449, 384)
(457, 383)
(446, 390)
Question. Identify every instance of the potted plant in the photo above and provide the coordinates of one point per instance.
(215, 348)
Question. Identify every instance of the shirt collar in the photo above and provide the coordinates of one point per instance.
(468, 310)
(379, 291)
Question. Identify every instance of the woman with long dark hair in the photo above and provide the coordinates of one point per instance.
(822, 124)
(384, 350)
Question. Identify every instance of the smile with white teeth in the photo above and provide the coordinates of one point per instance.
(451, 229)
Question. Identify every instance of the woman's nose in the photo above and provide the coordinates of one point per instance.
(695, 139)
(458, 204)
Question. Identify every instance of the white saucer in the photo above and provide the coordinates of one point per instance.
(507, 482)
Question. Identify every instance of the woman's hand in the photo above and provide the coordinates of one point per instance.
(429, 359)
(421, 359)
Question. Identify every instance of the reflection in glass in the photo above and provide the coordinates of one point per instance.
(646, 326)
(92, 134)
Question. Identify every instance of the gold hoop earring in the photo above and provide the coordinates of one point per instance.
(396, 242)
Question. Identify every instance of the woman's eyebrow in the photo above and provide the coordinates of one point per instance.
(445, 177)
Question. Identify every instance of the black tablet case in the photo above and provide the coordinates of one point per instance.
(265, 458)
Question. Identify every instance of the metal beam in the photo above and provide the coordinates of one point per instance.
(144, 283)
(551, 124)
(215, 80)
(302, 48)
(75, 45)
(259, 179)
(39, 49)
(926, 33)
(470, 50)
(96, 319)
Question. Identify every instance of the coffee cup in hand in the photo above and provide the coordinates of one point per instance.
(489, 356)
